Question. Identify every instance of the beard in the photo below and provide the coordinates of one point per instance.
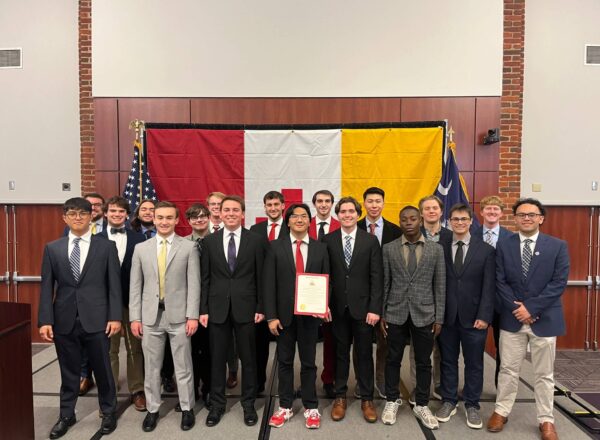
(147, 225)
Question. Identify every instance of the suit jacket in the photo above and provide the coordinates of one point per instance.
(261, 229)
(133, 238)
(280, 276)
(96, 298)
(390, 230)
(182, 282)
(477, 231)
(240, 291)
(313, 229)
(540, 292)
(423, 294)
(470, 294)
(445, 235)
(360, 286)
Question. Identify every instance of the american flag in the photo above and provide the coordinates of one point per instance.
(134, 191)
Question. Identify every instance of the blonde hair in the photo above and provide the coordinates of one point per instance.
(491, 201)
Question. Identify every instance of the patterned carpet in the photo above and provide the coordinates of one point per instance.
(578, 370)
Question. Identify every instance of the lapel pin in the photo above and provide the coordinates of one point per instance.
(537, 253)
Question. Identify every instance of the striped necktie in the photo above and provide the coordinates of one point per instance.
(75, 259)
(526, 258)
(348, 250)
(489, 237)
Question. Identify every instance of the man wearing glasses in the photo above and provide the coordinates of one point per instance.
(532, 269)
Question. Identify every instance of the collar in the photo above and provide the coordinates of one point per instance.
(237, 232)
(378, 222)
(294, 239)
(169, 238)
(279, 222)
(495, 230)
(433, 232)
(318, 220)
(351, 234)
(85, 237)
(195, 236)
(419, 240)
(465, 240)
(533, 238)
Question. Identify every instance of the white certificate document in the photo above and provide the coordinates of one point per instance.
(312, 294)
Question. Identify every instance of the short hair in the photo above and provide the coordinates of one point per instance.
(234, 198)
(77, 204)
(195, 210)
(491, 201)
(290, 211)
(120, 202)
(374, 190)
(529, 201)
(273, 195)
(461, 207)
(409, 208)
(322, 191)
(167, 204)
(431, 197)
(348, 199)
(218, 194)
(94, 195)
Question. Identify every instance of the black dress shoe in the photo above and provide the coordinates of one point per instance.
(214, 417)
(250, 417)
(150, 421)
(187, 420)
(109, 424)
(62, 426)
(329, 390)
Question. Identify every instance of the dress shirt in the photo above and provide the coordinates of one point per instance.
(326, 226)
(144, 229)
(120, 240)
(378, 228)
(84, 246)
(533, 239)
(418, 250)
(159, 240)
(236, 238)
(99, 225)
(277, 229)
(433, 236)
(352, 241)
(303, 248)
(495, 232)
(211, 225)
(466, 240)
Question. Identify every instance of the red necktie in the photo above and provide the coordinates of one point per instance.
(372, 227)
(272, 231)
(299, 258)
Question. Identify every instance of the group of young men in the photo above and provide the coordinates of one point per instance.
(419, 283)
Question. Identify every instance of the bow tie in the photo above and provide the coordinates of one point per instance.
(117, 230)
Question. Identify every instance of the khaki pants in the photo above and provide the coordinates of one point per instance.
(135, 357)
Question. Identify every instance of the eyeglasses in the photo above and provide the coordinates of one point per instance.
(460, 219)
(297, 216)
(529, 215)
(77, 214)
(198, 218)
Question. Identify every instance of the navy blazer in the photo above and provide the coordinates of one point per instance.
(540, 292)
(470, 294)
(477, 231)
(390, 230)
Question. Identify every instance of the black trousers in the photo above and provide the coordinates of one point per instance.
(422, 340)
(68, 350)
(201, 359)
(302, 331)
(263, 337)
(345, 330)
(220, 339)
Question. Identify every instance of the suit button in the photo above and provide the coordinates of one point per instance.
(347, 276)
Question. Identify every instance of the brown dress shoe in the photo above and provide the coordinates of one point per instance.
(139, 401)
(232, 380)
(338, 411)
(85, 384)
(369, 411)
(548, 431)
(496, 422)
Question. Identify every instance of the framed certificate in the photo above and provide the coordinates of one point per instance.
(312, 294)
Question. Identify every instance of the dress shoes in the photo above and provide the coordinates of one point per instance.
(548, 431)
(232, 380)
(139, 401)
(496, 422)
(338, 411)
(329, 390)
(109, 423)
(214, 417)
(62, 426)
(85, 384)
(369, 411)
(188, 420)
(150, 421)
(250, 417)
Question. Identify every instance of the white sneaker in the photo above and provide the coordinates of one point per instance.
(388, 417)
(423, 413)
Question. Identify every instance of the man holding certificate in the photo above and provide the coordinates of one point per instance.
(296, 298)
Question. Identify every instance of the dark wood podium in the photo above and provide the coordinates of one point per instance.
(16, 400)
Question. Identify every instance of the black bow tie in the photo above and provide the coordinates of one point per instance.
(117, 230)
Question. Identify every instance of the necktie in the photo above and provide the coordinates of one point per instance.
(321, 232)
(348, 250)
(299, 258)
(94, 228)
(458, 257)
(231, 256)
(148, 233)
(412, 258)
(215, 228)
(199, 243)
(272, 231)
(526, 258)
(489, 237)
(162, 269)
(74, 259)
(372, 227)
(117, 230)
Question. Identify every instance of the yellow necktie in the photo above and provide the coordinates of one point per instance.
(93, 228)
(162, 269)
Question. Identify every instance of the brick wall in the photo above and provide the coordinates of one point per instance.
(86, 103)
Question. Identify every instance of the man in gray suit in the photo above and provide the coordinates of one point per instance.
(414, 297)
(164, 301)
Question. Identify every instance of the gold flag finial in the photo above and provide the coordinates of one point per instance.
(137, 125)
(451, 134)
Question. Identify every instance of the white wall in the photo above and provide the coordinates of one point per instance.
(39, 104)
(315, 48)
(561, 112)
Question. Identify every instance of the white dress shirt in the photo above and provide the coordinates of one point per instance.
(326, 226)
(378, 229)
(237, 236)
(277, 229)
(533, 239)
(352, 241)
(159, 240)
(84, 246)
(120, 241)
(303, 248)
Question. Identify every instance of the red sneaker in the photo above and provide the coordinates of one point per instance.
(280, 416)
(313, 418)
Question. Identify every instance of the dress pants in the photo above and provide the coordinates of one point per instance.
(153, 343)
(346, 329)
(135, 356)
(263, 338)
(220, 336)
(68, 350)
(201, 359)
(472, 341)
(422, 340)
(381, 354)
(168, 369)
(513, 347)
(496, 330)
(436, 360)
(328, 373)
(304, 331)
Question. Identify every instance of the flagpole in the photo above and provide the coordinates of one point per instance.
(138, 126)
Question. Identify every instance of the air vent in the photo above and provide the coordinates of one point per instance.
(11, 58)
(592, 54)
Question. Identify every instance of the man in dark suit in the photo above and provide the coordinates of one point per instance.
(80, 306)
(470, 295)
(385, 231)
(116, 211)
(491, 232)
(532, 270)
(232, 299)
(289, 256)
(356, 302)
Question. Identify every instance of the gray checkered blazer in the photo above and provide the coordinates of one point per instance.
(423, 295)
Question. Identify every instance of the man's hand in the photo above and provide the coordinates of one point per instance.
(46, 333)
(521, 313)
(191, 326)
(372, 318)
(204, 320)
(480, 325)
(258, 317)
(383, 325)
(112, 328)
(136, 329)
(436, 329)
(275, 326)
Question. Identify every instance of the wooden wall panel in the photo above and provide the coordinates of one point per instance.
(485, 184)
(107, 183)
(106, 134)
(487, 116)
(5, 251)
(469, 176)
